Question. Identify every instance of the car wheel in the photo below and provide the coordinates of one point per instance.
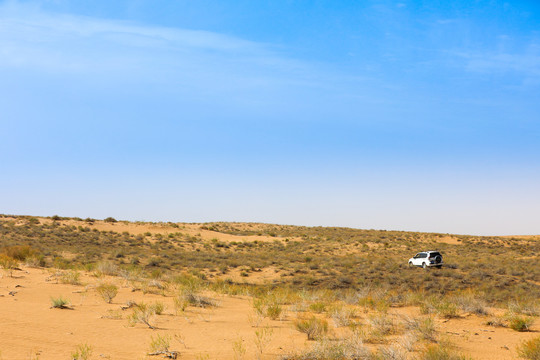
(410, 264)
(424, 265)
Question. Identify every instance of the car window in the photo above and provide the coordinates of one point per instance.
(423, 255)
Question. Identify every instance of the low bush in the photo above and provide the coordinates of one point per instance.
(520, 322)
(313, 327)
(8, 264)
(530, 349)
(82, 352)
(440, 352)
(142, 314)
(107, 291)
(59, 303)
(71, 277)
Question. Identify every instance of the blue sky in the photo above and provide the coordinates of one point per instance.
(407, 115)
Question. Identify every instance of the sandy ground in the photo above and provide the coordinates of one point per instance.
(31, 329)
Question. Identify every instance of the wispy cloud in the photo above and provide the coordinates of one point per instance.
(527, 64)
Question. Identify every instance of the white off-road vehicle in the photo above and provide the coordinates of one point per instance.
(426, 259)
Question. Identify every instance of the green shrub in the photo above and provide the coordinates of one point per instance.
(160, 344)
(318, 307)
(158, 308)
(274, 311)
(440, 352)
(82, 352)
(530, 349)
(71, 277)
(313, 327)
(520, 322)
(107, 291)
(8, 264)
(142, 313)
(59, 303)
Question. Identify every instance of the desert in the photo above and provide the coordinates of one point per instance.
(93, 289)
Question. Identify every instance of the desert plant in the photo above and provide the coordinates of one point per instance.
(439, 306)
(107, 291)
(193, 298)
(159, 344)
(313, 327)
(71, 277)
(82, 352)
(106, 268)
(529, 308)
(380, 325)
(530, 349)
(392, 353)
(470, 303)
(342, 315)
(158, 308)
(520, 322)
(263, 336)
(142, 313)
(349, 348)
(318, 307)
(424, 327)
(440, 352)
(239, 349)
(180, 304)
(59, 303)
(274, 311)
(8, 264)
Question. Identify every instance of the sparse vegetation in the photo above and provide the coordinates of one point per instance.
(530, 349)
(107, 291)
(82, 352)
(59, 303)
(313, 327)
(520, 322)
(142, 314)
(315, 274)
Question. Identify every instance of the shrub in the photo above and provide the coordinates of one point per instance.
(160, 344)
(107, 291)
(350, 348)
(20, 252)
(192, 298)
(440, 307)
(342, 316)
(520, 322)
(313, 327)
(142, 313)
(59, 303)
(262, 339)
(82, 352)
(8, 264)
(180, 304)
(318, 307)
(530, 349)
(110, 220)
(106, 268)
(529, 308)
(440, 352)
(239, 349)
(274, 311)
(71, 277)
(425, 327)
(157, 308)
(470, 303)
